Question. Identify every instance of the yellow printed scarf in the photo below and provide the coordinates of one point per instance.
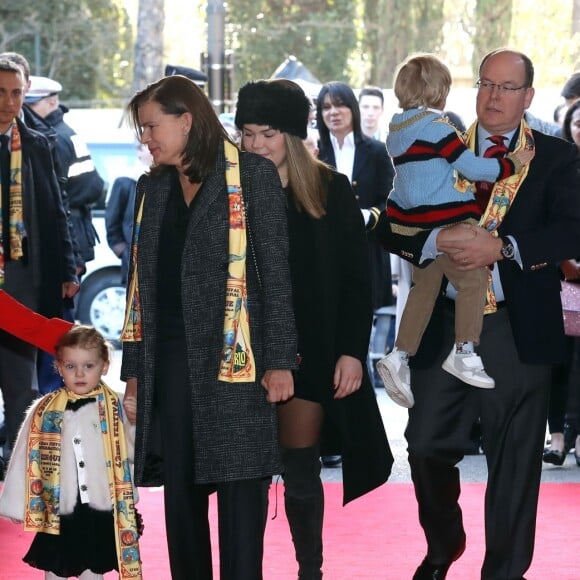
(132, 326)
(237, 359)
(502, 195)
(16, 218)
(43, 473)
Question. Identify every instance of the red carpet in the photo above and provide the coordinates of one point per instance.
(375, 538)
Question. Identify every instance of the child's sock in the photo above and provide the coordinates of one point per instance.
(464, 347)
(404, 356)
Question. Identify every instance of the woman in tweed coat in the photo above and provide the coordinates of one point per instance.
(196, 434)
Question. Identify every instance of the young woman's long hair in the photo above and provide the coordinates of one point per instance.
(177, 95)
(308, 178)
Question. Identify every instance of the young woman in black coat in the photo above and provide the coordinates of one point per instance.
(329, 268)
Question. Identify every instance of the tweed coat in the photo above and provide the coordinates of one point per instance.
(332, 302)
(234, 428)
(372, 180)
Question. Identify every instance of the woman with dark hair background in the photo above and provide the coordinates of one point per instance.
(367, 165)
(332, 304)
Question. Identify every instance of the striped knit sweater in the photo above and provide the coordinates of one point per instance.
(427, 151)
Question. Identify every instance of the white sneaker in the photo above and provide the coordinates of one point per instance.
(397, 378)
(469, 369)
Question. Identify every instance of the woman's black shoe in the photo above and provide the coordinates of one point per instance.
(555, 457)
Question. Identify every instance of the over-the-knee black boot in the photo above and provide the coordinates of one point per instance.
(304, 502)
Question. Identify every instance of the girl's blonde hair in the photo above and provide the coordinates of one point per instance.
(85, 337)
(422, 80)
(307, 177)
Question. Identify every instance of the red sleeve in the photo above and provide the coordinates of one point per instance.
(29, 326)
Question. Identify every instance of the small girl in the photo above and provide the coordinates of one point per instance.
(427, 193)
(69, 477)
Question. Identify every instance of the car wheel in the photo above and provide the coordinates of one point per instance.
(102, 303)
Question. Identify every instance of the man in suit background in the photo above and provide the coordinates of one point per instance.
(37, 265)
(520, 341)
(372, 105)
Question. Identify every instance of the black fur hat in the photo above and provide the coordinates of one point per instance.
(279, 103)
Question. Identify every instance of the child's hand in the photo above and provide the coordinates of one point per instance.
(130, 408)
(130, 400)
(458, 233)
(520, 158)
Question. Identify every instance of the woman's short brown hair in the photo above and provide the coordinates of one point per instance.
(422, 80)
(177, 95)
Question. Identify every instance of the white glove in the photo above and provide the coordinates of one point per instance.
(366, 215)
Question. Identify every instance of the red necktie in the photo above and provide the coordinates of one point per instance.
(497, 149)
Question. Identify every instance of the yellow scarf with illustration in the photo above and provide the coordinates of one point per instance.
(43, 473)
(16, 219)
(237, 363)
(502, 194)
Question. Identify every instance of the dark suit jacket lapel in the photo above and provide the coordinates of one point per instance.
(327, 155)
(361, 157)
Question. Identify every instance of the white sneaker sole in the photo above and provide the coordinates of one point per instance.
(473, 381)
(395, 388)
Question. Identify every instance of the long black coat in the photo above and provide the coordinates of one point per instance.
(372, 180)
(332, 303)
(234, 428)
(84, 186)
(50, 246)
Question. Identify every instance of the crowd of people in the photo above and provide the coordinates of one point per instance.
(254, 261)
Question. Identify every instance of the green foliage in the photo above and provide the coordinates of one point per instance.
(320, 33)
(544, 33)
(397, 28)
(84, 44)
(493, 21)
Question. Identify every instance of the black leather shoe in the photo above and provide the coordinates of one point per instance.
(554, 456)
(331, 460)
(428, 571)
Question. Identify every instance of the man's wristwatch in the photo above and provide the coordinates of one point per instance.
(507, 249)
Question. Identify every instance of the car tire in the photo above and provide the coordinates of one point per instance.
(102, 303)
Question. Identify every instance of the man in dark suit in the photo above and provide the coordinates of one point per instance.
(519, 343)
(36, 260)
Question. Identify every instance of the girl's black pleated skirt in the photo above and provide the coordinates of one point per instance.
(86, 542)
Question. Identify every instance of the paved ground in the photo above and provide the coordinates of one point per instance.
(473, 467)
